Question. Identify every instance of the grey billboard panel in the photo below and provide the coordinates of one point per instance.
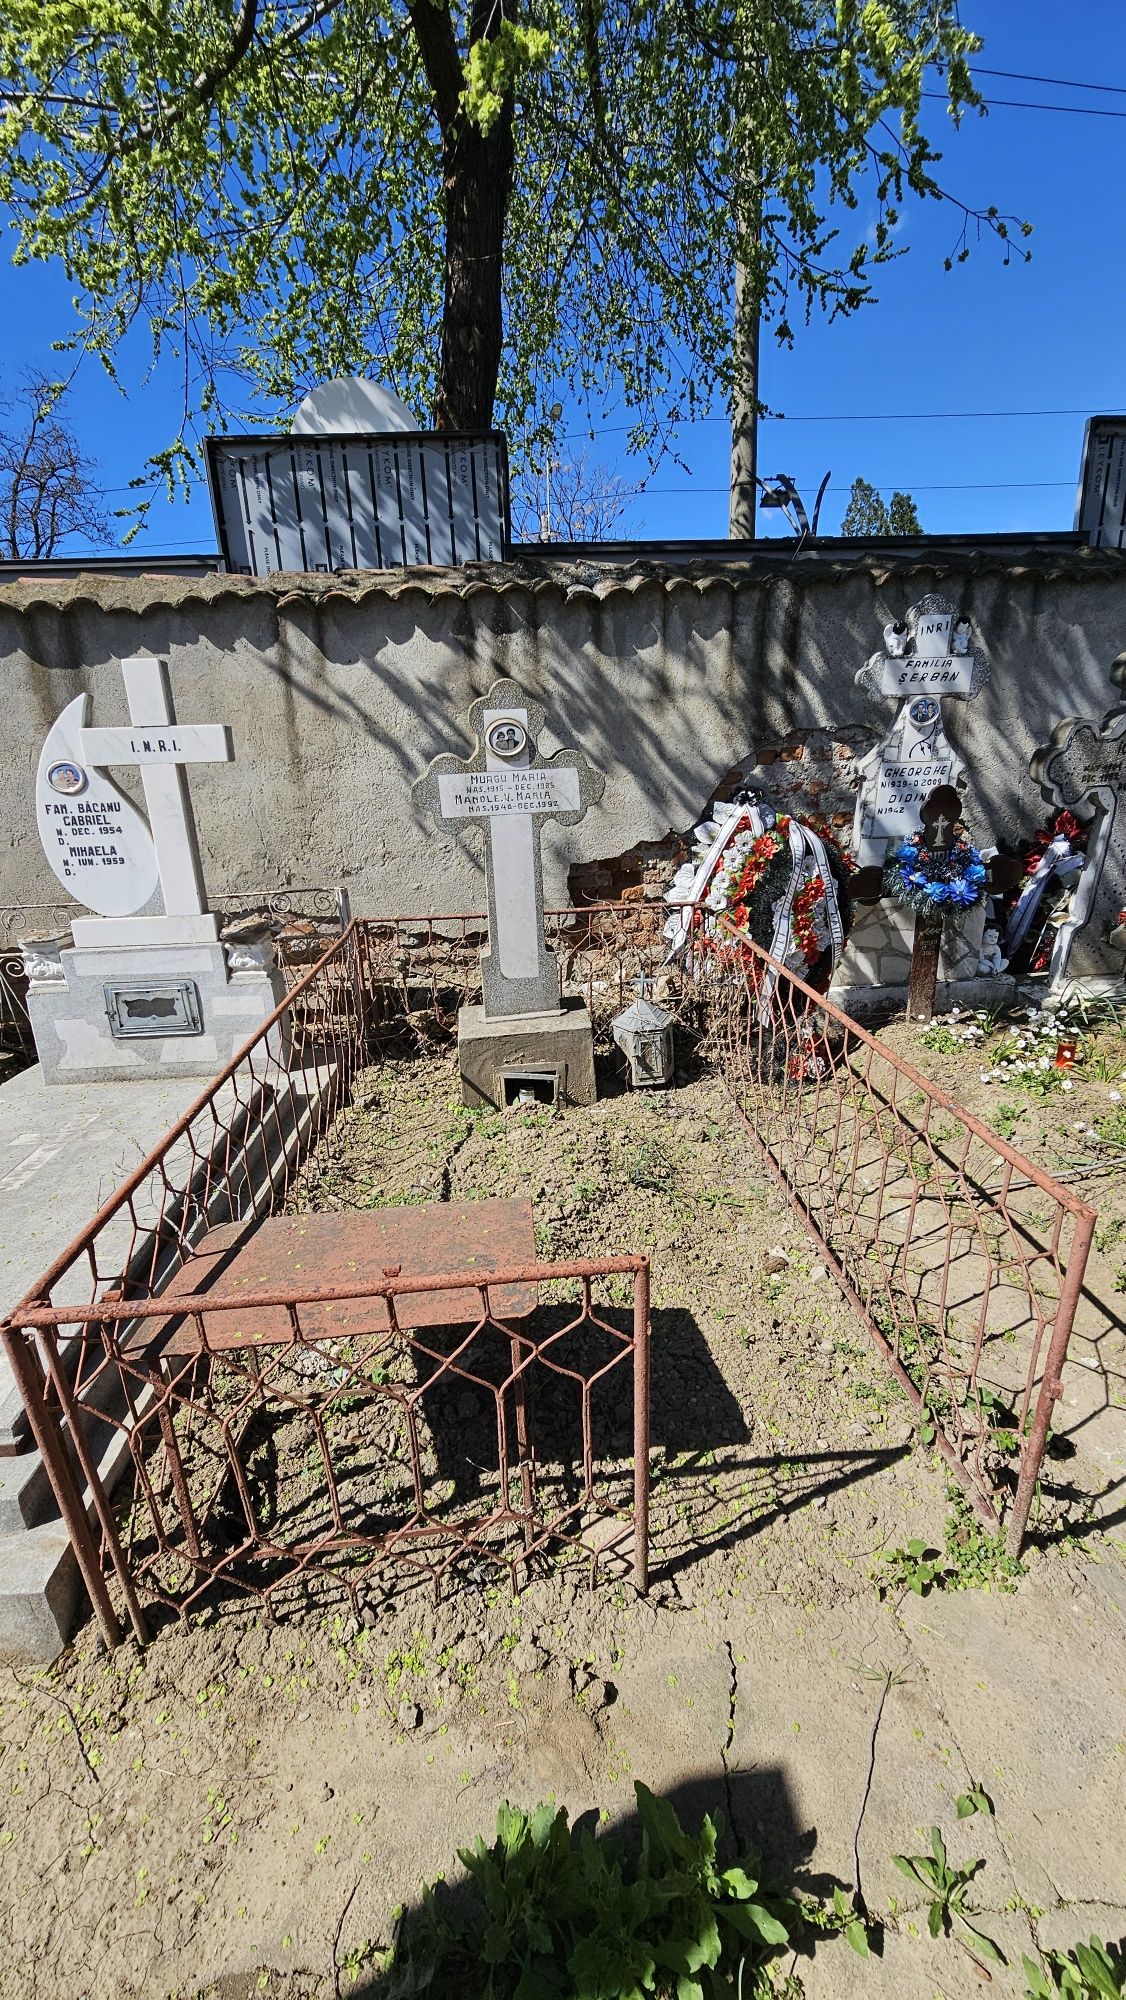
(333, 502)
(1100, 508)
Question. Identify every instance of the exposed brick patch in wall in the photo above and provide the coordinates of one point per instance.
(808, 771)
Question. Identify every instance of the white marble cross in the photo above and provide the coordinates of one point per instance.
(510, 790)
(161, 747)
(926, 659)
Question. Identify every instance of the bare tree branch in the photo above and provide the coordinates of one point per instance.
(48, 490)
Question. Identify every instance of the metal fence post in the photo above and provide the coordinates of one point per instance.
(641, 1428)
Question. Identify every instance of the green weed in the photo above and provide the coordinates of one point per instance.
(1094, 1971)
(552, 1909)
(946, 1890)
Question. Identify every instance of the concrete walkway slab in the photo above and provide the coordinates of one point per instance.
(63, 1152)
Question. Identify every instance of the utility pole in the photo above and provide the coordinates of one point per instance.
(744, 406)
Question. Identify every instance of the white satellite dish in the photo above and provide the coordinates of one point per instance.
(350, 405)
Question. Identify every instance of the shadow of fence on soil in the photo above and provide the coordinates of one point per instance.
(702, 1505)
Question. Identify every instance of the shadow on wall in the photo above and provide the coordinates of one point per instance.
(340, 694)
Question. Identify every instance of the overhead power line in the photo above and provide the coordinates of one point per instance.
(965, 486)
(1026, 104)
(1059, 82)
(846, 417)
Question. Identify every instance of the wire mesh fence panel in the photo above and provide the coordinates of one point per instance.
(233, 1154)
(421, 970)
(277, 1458)
(964, 1259)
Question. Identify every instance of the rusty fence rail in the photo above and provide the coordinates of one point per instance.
(964, 1259)
(269, 1457)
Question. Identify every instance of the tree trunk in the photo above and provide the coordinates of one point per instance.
(478, 185)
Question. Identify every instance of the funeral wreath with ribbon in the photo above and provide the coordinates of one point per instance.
(779, 882)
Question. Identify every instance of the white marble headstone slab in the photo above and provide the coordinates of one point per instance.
(94, 838)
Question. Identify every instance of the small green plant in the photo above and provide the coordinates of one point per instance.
(946, 1889)
(911, 1567)
(941, 1039)
(974, 1801)
(1006, 1118)
(973, 1559)
(652, 1168)
(554, 1909)
(1094, 1971)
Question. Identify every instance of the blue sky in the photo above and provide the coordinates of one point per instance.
(870, 396)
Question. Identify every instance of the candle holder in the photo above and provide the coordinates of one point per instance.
(1067, 1054)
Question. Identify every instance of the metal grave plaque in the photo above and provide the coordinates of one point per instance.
(151, 1010)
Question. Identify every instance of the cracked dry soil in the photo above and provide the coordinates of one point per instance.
(241, 1807)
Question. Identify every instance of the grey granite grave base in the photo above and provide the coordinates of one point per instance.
(560, 1044)
(878, 952)
(991, 990)
(63, 1151)
(517, 997)
(71, 1024)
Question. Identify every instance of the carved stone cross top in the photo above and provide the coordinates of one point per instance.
(1081, 766)
(927, 657)
(509, 789)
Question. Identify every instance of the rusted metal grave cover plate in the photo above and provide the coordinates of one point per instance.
(304, 1253)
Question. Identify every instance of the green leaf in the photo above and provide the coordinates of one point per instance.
(1097, 1970)
(495, 1944)
(935, 1915)
(755, 1923)
(1038, 1987)
(858, 1938)
(738, 1883)
(984, 1945)
(974, 1801)
(938, 1847)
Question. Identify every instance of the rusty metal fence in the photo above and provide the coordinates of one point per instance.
(270, 1457)
(420, 970)
(266, 1457)
(964, 1259)
(306, 1459)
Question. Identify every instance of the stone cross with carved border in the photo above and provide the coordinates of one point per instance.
(927, 658)
(1082, 765)
(510, 790)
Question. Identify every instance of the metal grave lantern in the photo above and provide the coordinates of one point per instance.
(645, 1034)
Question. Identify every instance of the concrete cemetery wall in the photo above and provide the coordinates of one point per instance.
(340, 689)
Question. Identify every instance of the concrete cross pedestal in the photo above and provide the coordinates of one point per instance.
(524, 1039)
(141, 994)
(1084, 768)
